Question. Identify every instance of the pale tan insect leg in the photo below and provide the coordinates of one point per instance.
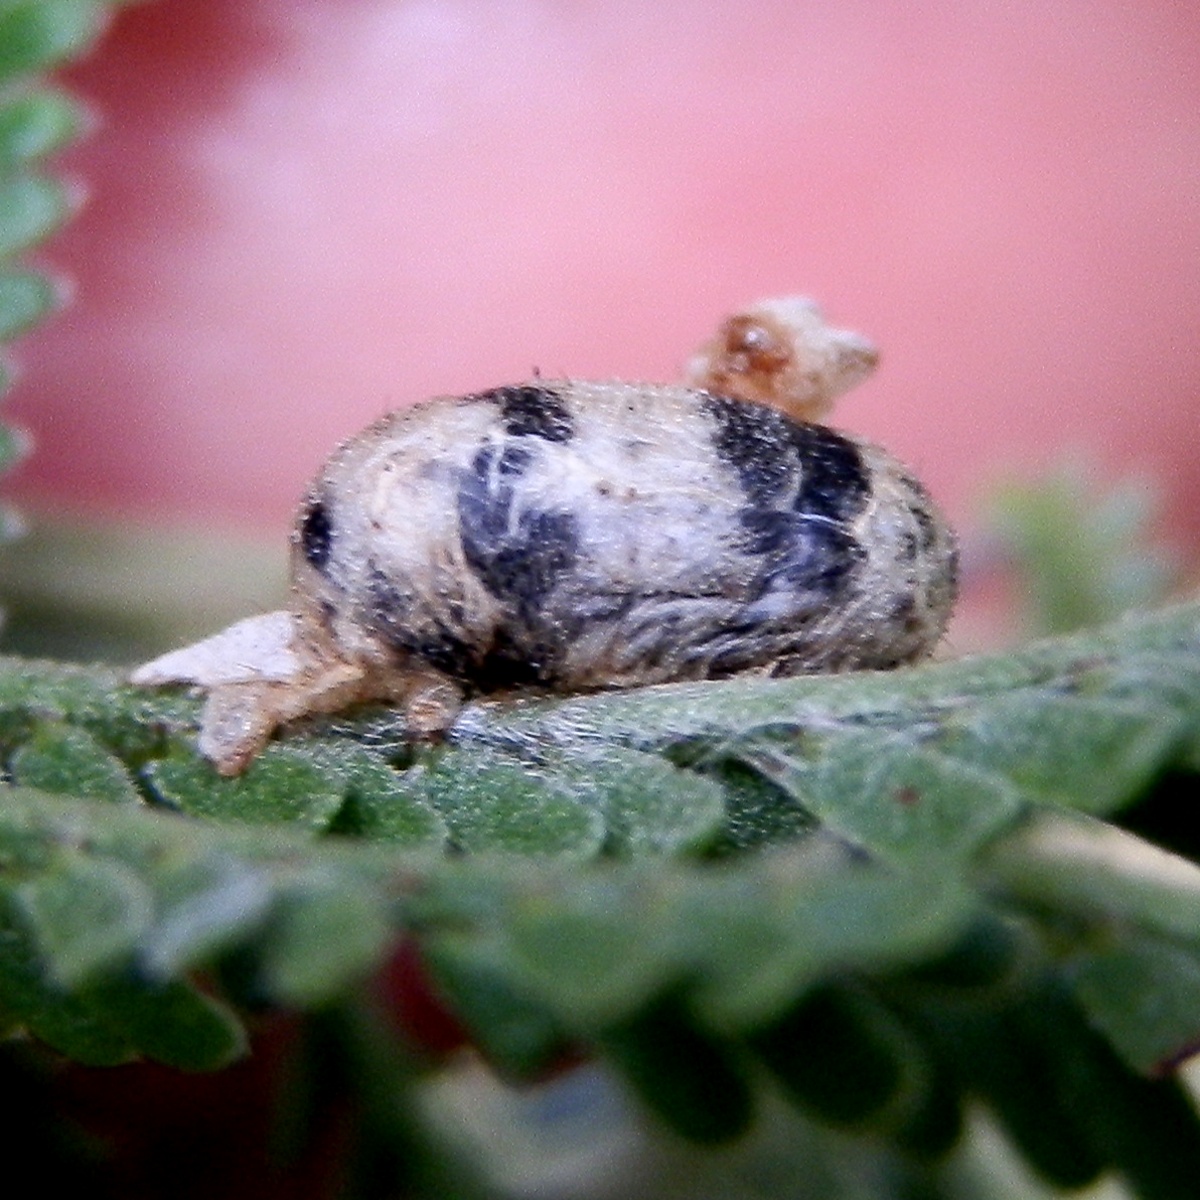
(430, 701)
(239, 718)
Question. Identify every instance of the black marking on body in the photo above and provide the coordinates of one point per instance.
(734, 661)
(388, 607)
(518, 553)
(768, 532)
(771, 452)
(929, 531)
(442, 651)
(531, 411)
(502, 665)
(836, 483)
(802, 552)
(805, 486)
(919, 508)
(316, 535)
(756, 442)
(903, 609)
(507, 664)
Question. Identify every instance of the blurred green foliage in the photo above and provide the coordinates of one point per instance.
(35, 121)
(959, 920)
(1084, 553)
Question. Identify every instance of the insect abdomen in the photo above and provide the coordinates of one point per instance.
(609, 534)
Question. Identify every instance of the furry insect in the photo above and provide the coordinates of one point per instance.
(569, 536)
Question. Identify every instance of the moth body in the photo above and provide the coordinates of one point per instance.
(566, 536)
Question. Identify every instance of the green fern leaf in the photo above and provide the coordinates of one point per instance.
(942, 858)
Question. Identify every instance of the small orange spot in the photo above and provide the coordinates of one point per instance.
(907, 796)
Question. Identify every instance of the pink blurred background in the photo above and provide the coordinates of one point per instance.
(304, 212)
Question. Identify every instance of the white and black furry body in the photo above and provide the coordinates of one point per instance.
(583, 535)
